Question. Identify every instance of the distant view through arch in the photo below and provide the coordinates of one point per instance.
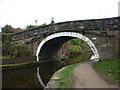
(95, 55)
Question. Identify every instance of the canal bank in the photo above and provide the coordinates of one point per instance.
(11, 63)
(83, 75)
(17, 62)
(62, 78)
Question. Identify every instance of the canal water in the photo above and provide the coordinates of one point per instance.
(31, 77)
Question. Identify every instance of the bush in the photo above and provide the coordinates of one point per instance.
(75, 49)
(20, 50)
(75, 41)
(15, 50)
(7, 29)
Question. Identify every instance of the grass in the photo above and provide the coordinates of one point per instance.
(18, 64)
(4, 57)
(109, 69)
(66, 77)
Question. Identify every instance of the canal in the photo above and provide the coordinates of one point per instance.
(27, 77)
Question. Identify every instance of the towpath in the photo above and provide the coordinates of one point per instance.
(84, 76)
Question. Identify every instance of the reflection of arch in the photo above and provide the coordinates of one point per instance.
(95, 57)
(39, 78)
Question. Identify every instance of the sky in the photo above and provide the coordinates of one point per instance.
(20, 13)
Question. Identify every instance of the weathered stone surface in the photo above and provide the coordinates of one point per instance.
(106, 26)
(105, 31)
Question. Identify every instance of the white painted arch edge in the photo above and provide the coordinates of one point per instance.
(94, 57)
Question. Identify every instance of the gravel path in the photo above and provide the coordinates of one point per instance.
(84, 76)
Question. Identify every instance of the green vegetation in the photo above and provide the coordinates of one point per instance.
(7, 29)
(75, 42)
(15, 50)
(18, 64)
(30, 27)
(66, 77)
(77, 46)
(4, 57)
(109, 69)
(75, 49)
(19, 50)
(11, 50)
(74, 46)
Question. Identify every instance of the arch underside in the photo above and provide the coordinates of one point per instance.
(49, 47)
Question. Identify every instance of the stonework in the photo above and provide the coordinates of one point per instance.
(104, 33)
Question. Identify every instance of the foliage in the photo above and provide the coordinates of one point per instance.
(30, 27)
(75, 49)
(6, 38)
(66, 77)
(7, 29)
(75, 41)
(19, 50)
(12, 50)
(77, 46)
(6, 46)
(109, 68)
(74, 46)
(15, 53)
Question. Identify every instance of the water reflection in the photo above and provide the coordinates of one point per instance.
(48, 70)
(28, 77)
(20, 78)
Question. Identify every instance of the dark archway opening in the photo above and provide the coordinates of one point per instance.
(51, 50)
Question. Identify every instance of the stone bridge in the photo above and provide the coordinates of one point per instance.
(102, 35)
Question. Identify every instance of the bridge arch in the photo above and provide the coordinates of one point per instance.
(95, 55)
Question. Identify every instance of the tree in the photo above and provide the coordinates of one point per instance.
(7, 29)
(6, 39)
